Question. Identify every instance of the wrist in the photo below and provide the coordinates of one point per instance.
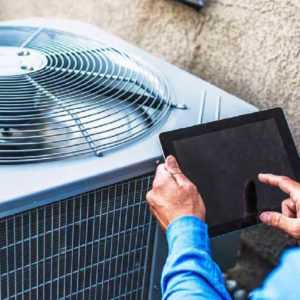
(188, 231)
(183, 214)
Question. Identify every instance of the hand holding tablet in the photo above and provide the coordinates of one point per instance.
(224, 158)
(289, 219)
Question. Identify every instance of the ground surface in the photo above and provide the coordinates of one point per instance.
(247, 47)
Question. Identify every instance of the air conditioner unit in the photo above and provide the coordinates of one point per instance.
(80, 114)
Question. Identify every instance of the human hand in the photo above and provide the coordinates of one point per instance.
(289, 220)
(173, 195)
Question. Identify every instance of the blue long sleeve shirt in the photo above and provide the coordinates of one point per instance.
(190, 273)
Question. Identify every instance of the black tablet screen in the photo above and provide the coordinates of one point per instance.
(224, 165)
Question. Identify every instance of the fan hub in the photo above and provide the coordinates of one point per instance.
(16, 61)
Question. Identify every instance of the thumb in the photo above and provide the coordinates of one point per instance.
(162, 177)
(172, 165)
(174, 169)
(280, 221)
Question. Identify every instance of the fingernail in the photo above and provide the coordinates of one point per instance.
(262, 176)
(265, 217)
(171, 161)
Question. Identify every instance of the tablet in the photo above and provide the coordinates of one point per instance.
(223, 159)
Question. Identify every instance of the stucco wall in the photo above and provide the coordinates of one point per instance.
(250, 48)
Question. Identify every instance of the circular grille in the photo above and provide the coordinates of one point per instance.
(63, 95)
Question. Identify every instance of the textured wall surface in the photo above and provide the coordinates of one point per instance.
(250, 48)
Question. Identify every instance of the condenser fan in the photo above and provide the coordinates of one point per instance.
(63, 95)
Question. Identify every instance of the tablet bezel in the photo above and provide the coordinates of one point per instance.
(167, 139)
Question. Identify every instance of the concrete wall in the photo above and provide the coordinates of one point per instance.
(250, 48)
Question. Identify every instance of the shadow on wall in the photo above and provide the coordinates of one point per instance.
(247, 47)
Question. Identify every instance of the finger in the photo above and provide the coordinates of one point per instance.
(149, 198)
(174, 169)
(279, 221)
(162, 176)
(158, 218)
(288, 208)
(286, 184)
(297, 205)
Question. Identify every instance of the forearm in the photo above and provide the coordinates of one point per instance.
(190, 271)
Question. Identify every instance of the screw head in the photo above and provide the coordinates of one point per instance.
(180, 106)
(25, 67)
(23, 53)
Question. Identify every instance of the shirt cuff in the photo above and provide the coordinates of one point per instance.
(187, 232)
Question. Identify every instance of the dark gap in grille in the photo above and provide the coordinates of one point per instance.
(97, 245)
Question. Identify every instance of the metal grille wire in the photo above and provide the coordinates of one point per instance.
(97, 245)
(87, 98)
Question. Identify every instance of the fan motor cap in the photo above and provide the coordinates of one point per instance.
(14, 61)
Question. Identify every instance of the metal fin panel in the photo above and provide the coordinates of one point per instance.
(97, 245)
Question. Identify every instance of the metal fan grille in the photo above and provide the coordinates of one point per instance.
(67, 95)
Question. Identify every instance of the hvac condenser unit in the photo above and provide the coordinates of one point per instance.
(80, 113)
